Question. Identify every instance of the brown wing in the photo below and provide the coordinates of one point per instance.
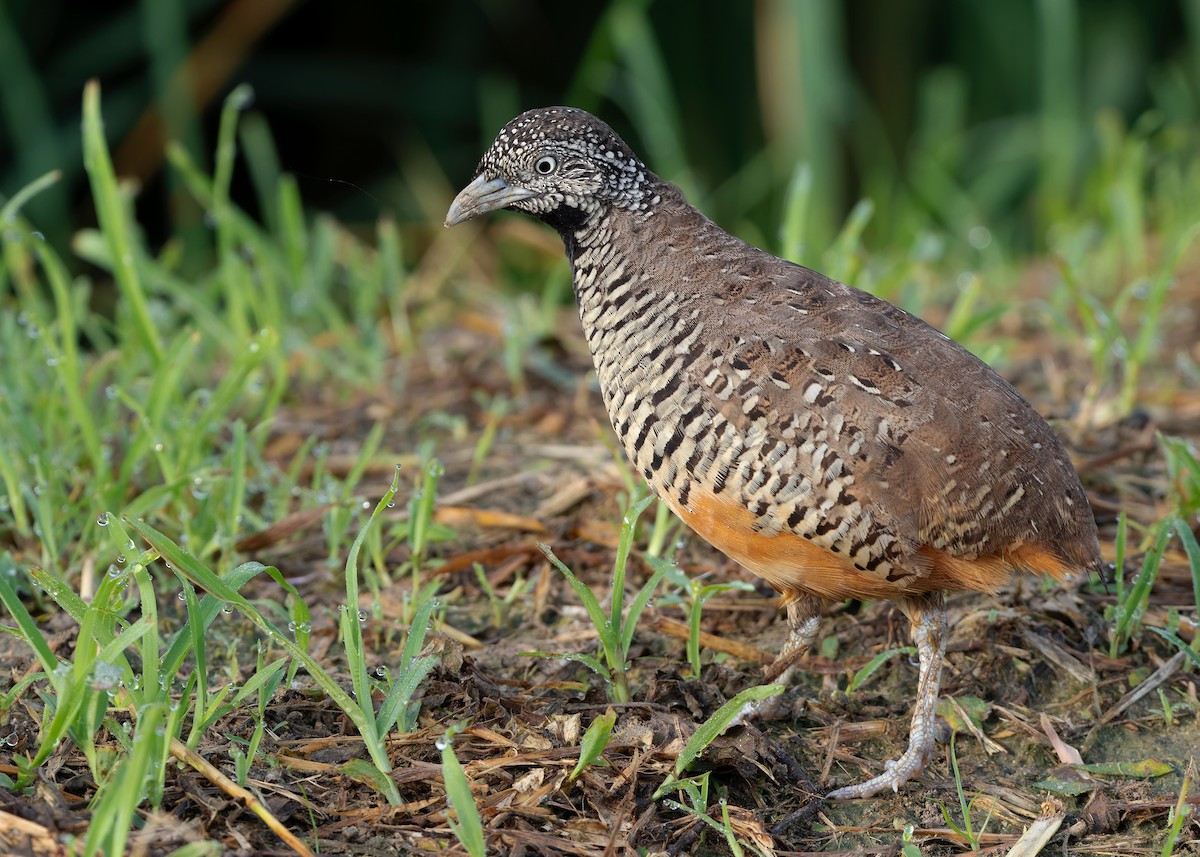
(906, 447)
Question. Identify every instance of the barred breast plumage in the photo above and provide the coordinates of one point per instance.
(830, 442)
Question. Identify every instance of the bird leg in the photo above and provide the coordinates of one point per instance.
(804, 621)
(927, 616)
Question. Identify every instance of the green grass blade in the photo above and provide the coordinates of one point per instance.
(1192, 549)
(795, 214)
(468, 829)
(864, 674)
(27, 628)
(601, 622)
(111, 212)
(624, 546)
(594, 741)
(587, 660)
(200, 619)
(711, 729)
(642, 599)
(10, 209)
(120, 797)
(1130, 609)
(1172, 637)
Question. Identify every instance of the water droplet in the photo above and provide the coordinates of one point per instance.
(12, 739)
(226, 608)
(105, 676)
(158, 446)
(362, 617)
(292, 627)
(242, 98)
(366, 505)
(391, 504)
(102, 519)
(979, 237)
(441, 743)
(120, 558)
(182, 596)
(110, 392)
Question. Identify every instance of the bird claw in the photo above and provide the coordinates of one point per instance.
(896, 772)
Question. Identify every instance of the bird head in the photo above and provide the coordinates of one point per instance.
(559, 164)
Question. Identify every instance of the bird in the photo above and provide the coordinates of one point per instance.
(830, 442)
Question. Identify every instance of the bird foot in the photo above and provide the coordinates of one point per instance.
(929, 634)
(896, 773)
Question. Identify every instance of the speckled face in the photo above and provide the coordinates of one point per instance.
(559, 164)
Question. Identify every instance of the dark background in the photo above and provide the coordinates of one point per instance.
(368, 100)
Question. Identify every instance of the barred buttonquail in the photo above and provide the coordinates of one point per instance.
(828, 441)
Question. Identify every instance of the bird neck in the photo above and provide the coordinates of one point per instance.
(634, 288)
(606, 253)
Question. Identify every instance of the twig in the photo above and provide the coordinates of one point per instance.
(1159, 676)
(672, 628)
(184, 754)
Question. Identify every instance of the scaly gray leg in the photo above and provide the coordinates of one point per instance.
(928, 617)
(804, 621)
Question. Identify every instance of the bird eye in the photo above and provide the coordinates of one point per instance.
(545, 165)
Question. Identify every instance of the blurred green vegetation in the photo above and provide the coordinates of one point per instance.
(976, 121)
